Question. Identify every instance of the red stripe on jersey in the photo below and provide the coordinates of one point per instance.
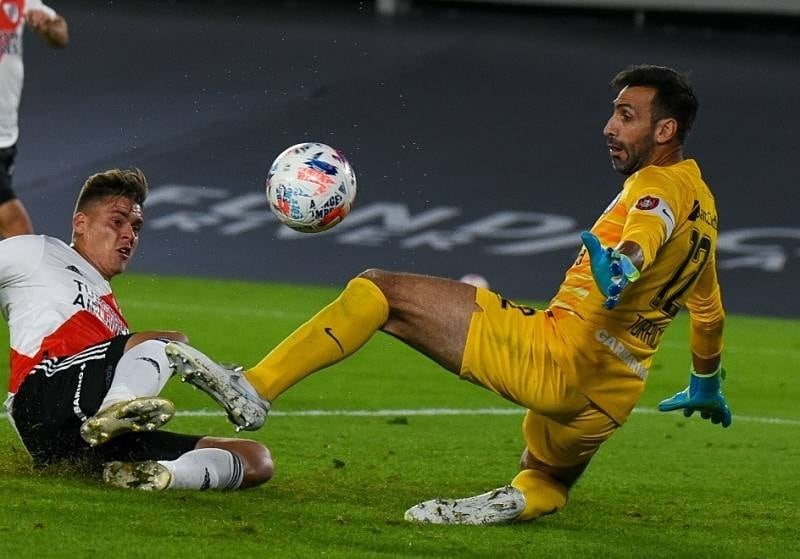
(80, 331)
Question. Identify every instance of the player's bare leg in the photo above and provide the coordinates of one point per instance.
(430, 314)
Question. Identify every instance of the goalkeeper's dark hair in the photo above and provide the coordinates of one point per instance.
(674, 98)
(124, 183)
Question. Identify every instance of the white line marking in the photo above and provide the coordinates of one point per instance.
(441, 412)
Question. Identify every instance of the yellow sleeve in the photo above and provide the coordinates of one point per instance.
(652, 202)
(706, 313)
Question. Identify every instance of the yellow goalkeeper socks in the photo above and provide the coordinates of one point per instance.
(331, 335)
(543, 494)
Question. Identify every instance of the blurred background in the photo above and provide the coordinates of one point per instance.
(474, 129)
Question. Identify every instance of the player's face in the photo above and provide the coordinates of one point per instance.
(107, 234)
(630, 131)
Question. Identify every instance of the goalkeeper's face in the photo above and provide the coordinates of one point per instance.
(630, 132)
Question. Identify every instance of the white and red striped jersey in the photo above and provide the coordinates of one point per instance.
(55, 302)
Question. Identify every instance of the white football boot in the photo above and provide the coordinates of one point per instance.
(140, 414)
(226, 385)
(147, 476)
(500, 506)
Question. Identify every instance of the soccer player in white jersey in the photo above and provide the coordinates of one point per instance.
(52, 29)
(83, 388)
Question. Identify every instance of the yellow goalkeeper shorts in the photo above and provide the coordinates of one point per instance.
(510, 350)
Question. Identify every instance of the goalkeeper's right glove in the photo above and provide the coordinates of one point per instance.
(611, 269)
(704, 394)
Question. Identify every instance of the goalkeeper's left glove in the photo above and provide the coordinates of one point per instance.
(704, 394)
(611, 269)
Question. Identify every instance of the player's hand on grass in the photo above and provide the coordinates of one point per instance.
(704, 394)
(611, 269)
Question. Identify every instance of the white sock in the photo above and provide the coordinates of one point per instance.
(205, 468)
(142, 371)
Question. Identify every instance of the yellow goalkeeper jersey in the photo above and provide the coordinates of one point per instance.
(671, 214)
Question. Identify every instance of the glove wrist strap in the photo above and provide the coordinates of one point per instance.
(631, 272)
(707, 375)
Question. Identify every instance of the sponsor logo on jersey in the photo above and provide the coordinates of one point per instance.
(107, 313)
(699, 214)
(10, 23)
(9, 43)
(619, 349)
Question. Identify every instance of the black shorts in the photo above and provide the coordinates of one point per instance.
(60, 394)
(7, 157)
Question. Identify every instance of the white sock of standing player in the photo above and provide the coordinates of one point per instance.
(143, 370)
(205, 468)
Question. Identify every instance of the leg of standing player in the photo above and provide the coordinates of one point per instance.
(14, 219)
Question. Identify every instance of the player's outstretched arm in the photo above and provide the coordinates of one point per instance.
(53, 30)
(704, 394)
(707, 318)
(611, 268)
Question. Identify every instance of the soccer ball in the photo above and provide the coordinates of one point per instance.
(311, 187)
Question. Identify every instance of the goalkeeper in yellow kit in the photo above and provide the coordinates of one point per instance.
(579, 366)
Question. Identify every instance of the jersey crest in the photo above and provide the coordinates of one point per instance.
(647, 203)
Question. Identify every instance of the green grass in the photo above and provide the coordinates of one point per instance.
(663, 486)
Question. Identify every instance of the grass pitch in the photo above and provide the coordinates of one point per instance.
(379, 441)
